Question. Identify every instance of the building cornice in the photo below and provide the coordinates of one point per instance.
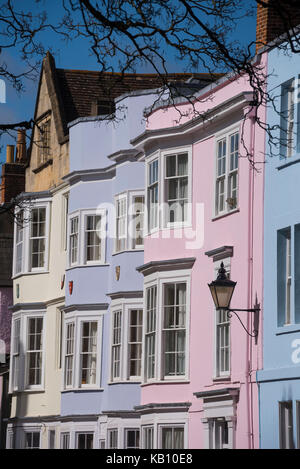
(194, 125)
(91, 175)
(163, 407)
(84, 307)
(166, 265)
(125, 294)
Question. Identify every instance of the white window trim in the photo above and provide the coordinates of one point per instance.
(222, 375)
(160, 420)
(82, 214)
(24, 316)
(78, 318)
(159, 279)
(26, 255)
(121, 425)
(162, 223)
(124, 306)
(128, 195)
(225, 133)
(65, 197)
(164, 155)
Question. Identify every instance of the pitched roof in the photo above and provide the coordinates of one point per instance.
(80, 87)
(73, 92)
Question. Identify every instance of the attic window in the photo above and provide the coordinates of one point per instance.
(44, 141)
(103, 107)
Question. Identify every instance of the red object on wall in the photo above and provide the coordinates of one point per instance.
(71, 287)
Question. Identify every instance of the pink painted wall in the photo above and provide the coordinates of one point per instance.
(243, 231)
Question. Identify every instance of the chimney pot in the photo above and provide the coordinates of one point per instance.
(10, 150)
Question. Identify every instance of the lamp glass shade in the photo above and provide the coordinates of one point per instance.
(222, 289)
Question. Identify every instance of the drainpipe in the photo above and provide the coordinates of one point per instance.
(251, 116)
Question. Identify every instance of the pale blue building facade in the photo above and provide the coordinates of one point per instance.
(102, 326)
(279, 380)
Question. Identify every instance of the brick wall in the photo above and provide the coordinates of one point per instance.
(274, 21)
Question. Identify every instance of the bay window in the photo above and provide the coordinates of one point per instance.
(176, 186)
(27, 346)
(226, 185)
(132, 438)
(165, 326)
(86, 237)
(126, 340)
(172, 437)
(150, 332)
(174, 329)
(153, 195)
(31, 238)
(74, 225)
(129, 208)
(82, 346)
(38, 237)
(121, 225)
(31, 440)
(34, 351)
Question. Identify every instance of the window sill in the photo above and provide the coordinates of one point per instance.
(43, 166)
(288, 329)
(288, 161)
(218, 379)
(223, 215)
(23, 274)
(110, 383)
(92, 389)
(128, 250)
(154, 382)
(83, 266)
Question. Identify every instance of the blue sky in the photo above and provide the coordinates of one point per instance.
(72, 55)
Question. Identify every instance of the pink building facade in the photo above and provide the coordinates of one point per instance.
(204, 206)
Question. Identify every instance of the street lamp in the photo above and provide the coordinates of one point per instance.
(222, 290)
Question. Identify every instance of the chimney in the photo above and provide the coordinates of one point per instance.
(13, 174)
(10, 150)
(274, 19)
(21, 146)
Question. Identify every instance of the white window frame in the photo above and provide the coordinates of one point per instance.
(128, 196)
(78, 317)
(23, 385)
(82, 432)
(126, 430)
(25, 431)
(226, 134)
(285, 427)
(150, 161)
(172, 426)
(164, 156)
(26, 250)
(63, 435)
(131, 215)
(65, 197)
(159, 420)
(16, 356)
(124, 306)
(81, 240)
(162, 210)
(160, 279)
(218, 374)
(109, 432)
(289, 131)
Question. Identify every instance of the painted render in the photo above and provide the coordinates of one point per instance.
(280, 378)
(241, 229)
(96, 177)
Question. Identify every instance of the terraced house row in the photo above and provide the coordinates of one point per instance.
(122, 224)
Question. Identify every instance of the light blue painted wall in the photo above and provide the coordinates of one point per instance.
(281, 210)
(90, 144)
